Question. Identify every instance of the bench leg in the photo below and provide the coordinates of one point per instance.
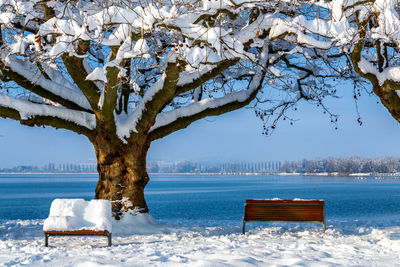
(46, 240)
(243, 227)
(109, 239)
(323, 227)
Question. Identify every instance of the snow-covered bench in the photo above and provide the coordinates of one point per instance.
(278, 210)
(78, 217)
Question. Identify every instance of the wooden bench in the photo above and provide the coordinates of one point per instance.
(284, 211)
(47, 234)
(78, 217)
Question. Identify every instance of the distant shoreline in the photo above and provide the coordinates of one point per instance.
(334, 174)
(48, 173)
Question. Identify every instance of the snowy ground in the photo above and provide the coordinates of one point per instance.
(21, 244)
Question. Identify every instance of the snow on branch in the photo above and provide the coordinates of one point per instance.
(28, 110)
(315, 33)
(127, 124)
(59, 87)
(390, 73)
(168, 117)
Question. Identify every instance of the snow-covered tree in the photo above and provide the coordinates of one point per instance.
(126, 73)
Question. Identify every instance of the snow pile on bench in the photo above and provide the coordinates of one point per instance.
(78, 214)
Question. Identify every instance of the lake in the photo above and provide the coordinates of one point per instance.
(213, 198)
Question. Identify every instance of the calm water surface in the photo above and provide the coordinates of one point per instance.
(211, 197)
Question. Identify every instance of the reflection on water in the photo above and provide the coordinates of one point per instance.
(210, 197)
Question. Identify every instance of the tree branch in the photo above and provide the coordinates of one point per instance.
(164, 91)
(184, 86)
(41, 86)
(76, 66)
(157, 102)
(77, 70)
(175, 120)
(204, 108)
(31, 114)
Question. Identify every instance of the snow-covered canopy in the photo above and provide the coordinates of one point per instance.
(155, 67)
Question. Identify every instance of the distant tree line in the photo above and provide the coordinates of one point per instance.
(54, 168)
(329, 165)
(196, 167)
(343, 165)
(160, 167)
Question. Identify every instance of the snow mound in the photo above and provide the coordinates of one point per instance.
(78, 214)
(94, 264)
(134, 222)
(343, 244)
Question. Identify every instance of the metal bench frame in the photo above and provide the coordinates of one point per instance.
(288, 203)
(47, 234)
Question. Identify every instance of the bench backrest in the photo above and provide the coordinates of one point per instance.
(284, 210)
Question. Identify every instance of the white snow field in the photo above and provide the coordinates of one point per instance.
(154, 244)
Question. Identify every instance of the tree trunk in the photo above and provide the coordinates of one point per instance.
(122, 176)
(390, 99)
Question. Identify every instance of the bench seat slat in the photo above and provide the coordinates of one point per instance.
(78, 232)
(106, 233)
(272, 201)
(284, 219)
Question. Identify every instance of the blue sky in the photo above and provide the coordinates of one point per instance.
(232, 137)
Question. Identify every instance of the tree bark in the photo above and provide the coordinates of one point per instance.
(122, 175)
(389, 98)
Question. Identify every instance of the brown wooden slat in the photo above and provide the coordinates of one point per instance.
(78, 232)
(284, 210)
(284, 201)
(47, 234)
(285, 219)
(285, 206)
